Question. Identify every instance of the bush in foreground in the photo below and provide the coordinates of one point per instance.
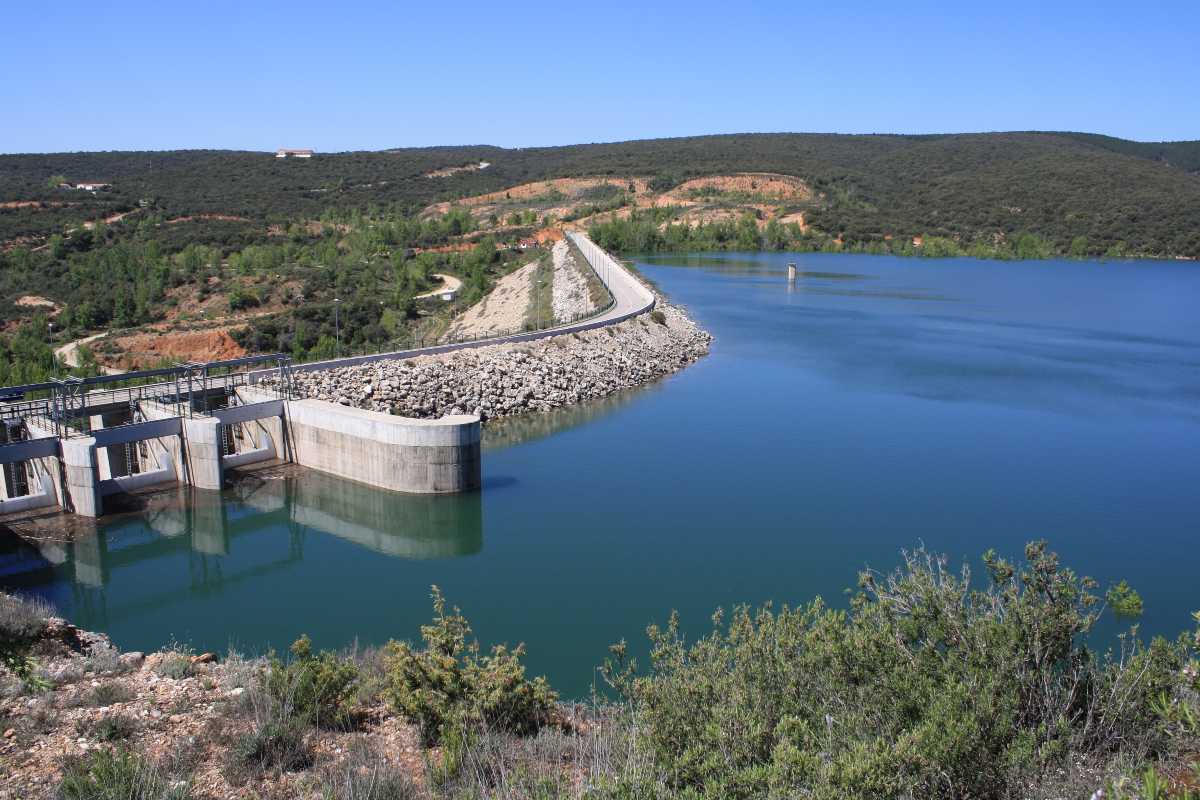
(449, 684)
(315, 687)
(926, 687)
(118, 774)
(21, 622)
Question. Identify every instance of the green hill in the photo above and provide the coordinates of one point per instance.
(968, 187)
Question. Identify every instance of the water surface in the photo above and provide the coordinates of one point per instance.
(878, 404)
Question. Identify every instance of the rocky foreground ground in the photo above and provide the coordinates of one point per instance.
(502, 380)
(99, 724)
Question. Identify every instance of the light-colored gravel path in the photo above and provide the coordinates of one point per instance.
(69, 353)
(449, 284)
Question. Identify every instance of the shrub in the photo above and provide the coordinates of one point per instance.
(104, 659)
(176, 662)
(926, 687)
(22, 620)
(318, 688)
(278, 739)
(658, 317)
(106, 694)
(114, 728)
(450, 684)
(368, 777)
(117, 775)
(501, 765)
(277, 743)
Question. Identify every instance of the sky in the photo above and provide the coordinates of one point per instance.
(338, 76)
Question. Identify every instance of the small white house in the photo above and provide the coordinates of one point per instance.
(287, 152)
(92, 186)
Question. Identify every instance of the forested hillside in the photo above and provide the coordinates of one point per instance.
(966, 187)
(203, 254)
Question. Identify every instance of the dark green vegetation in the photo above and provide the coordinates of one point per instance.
(117, 774)
(125, 275)
(1143, 198)
(199, 238)
(928, 686)
(27, 355)
(931, 684)
(658, 230)
(449, 688)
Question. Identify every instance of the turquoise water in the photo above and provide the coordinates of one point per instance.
(879, 404)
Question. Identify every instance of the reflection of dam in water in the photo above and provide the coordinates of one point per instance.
(220, 540)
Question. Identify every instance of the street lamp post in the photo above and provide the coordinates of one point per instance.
(337, 324)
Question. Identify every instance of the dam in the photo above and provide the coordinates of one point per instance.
(74, 442)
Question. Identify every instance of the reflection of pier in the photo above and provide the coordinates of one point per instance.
(414, 526)
(221, 541)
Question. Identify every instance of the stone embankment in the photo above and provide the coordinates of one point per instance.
(506, 379)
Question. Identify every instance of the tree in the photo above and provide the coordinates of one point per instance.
(747, 233)
(325, 349)
(777, 238)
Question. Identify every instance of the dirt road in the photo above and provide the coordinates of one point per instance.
(449, 284)
(69, 353)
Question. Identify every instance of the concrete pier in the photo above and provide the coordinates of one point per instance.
(81, 476)
(405, 455)
(202, 446)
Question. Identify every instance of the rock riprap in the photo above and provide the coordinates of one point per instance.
(570, 289)
(506, 379)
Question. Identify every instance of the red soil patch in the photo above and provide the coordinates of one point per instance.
(768, 185)
(144, 349)
(570, 188)
(460, 247)
(110, 219)
(35, 204)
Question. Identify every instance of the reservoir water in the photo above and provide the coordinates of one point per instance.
(878, 404)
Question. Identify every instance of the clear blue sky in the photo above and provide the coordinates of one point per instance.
(371, 75)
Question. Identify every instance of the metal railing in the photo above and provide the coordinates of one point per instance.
(191, 390)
